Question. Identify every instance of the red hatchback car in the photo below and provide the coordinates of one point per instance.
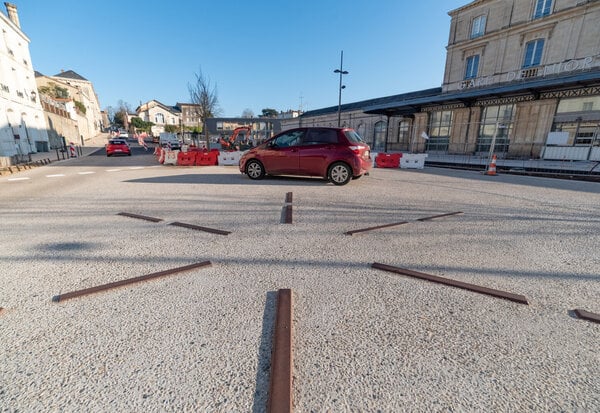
(336, 154)
(117, 146)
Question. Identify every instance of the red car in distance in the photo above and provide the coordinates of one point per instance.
(336, 154)
(117, 147)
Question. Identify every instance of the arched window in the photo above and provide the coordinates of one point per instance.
(159, 118)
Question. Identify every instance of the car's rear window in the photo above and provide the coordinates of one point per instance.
(116, 142)
(353, 136)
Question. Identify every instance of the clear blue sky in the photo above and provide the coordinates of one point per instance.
(260, 54)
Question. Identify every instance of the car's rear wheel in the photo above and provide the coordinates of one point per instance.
(255, 170)
(339, 173)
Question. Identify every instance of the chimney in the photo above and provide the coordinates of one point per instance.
(12, 14)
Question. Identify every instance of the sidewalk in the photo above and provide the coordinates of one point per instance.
(90, 146)
(539, 167)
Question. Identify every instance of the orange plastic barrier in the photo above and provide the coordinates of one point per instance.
(206, 158)
(186, 158)
(388, 160)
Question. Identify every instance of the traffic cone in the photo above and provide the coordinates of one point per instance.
(492, 168)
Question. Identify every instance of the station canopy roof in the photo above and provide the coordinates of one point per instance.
(412, 103)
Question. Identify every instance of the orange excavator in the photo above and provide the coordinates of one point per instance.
(237, 142)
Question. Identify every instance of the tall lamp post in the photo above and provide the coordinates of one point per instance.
(342, 72)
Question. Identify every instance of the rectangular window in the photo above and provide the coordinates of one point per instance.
(440, 124)
(542, 8)
(478, 27)
(472, 67)
(533, 53)
(403, 132)
(496, 126)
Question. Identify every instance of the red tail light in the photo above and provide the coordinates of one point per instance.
(357, 149)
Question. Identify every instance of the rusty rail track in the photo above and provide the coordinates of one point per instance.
(400, 223)
(280, 388)
(144, 217)
(103, 287)
(199, 228)
(453, 283)
(287, 209)
(377, 227)
(586, 315)
(439, 216)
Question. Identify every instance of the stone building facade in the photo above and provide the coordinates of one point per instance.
(522, 80)
(81, 90)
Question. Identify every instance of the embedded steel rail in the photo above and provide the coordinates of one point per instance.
(453, 283)
(287, 209)
(586, 315)
(400, 223)
(439, 216)
(280, 388)
(127, 214)
(199, 228)
(92, 290)
(377, 227)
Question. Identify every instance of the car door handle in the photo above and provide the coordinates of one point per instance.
(293, 150)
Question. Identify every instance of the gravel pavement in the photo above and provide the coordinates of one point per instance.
(365, 340)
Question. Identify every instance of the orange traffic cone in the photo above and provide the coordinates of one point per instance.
(492, 168)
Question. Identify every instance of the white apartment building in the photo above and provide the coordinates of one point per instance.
(22, 123)
(161, 115)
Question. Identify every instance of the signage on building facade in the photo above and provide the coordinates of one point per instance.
(531, 73)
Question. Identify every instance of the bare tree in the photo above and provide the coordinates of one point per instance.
(204, 94)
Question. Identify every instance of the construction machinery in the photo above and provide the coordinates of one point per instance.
(240, 139)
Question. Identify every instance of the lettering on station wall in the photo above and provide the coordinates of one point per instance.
(533, 72)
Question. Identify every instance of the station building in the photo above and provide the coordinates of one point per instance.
(522, 79)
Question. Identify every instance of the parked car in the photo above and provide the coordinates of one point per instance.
(117, 147)
(336, 154)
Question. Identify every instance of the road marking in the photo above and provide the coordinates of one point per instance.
(112, 170)
(55, 176)
(19, 179)
(86, 173)
(136, 167)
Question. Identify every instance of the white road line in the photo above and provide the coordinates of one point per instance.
(86, 173)
(112, 170)
(136, 167)
(19, 179)
(55, 175)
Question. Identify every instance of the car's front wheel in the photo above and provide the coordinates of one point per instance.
(255, 170)
(339, 173)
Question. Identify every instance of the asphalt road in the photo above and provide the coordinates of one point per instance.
(364, 339)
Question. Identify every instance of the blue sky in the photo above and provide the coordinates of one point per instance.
(263, 54)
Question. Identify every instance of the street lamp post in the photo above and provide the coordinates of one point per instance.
(342, 72)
